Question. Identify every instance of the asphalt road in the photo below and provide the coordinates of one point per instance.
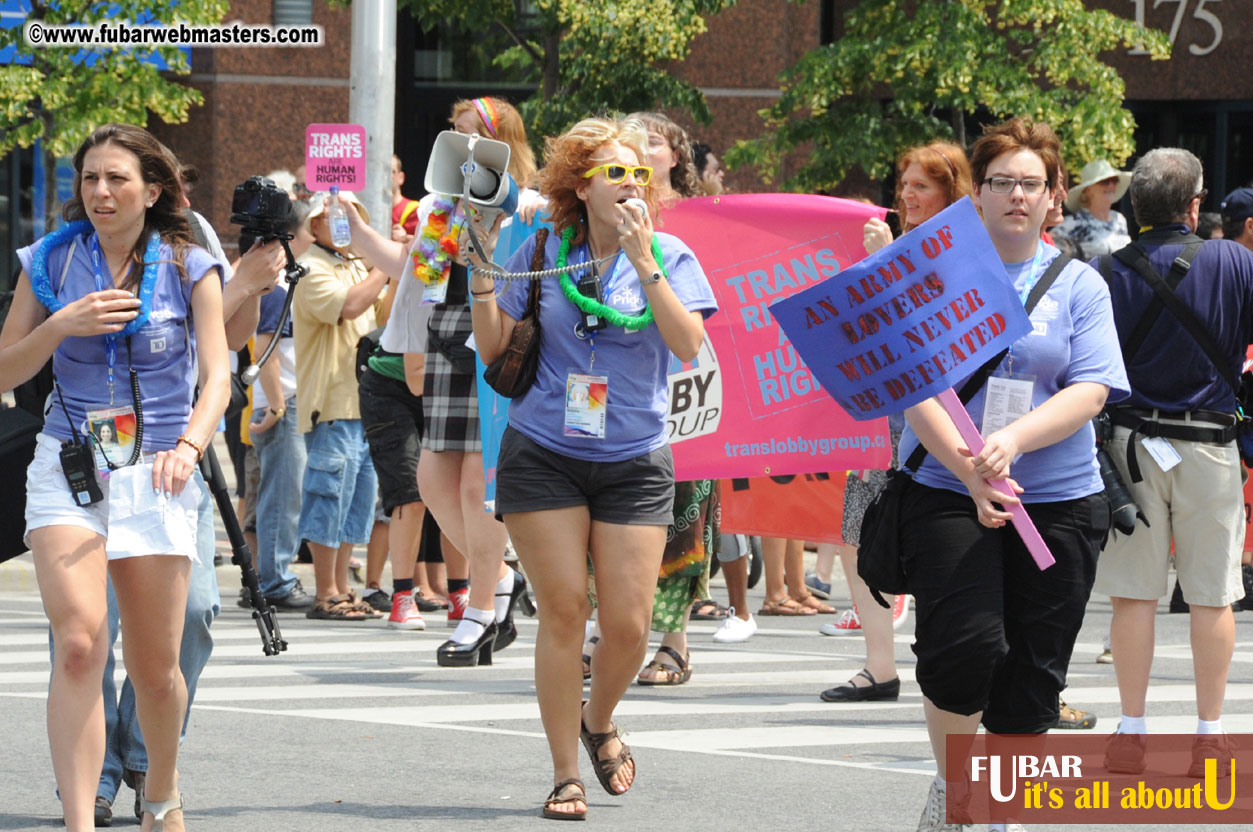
(355, 727)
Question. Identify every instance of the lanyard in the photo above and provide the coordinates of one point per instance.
(110, 339)
(1032, 279)
(619, 259)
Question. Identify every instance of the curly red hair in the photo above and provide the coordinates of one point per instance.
(575, 152)
(945, 164)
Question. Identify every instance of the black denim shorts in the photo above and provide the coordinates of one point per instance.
(393, 422)
(634, 492)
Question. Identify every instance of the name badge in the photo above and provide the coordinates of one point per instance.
(111, 434)
(1008, 397)
(1163, 453)
(587, 405)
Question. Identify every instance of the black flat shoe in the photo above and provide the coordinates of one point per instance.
(508, 630)
(874, 692)
(477, 652)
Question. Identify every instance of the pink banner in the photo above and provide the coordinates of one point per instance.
(748, 406)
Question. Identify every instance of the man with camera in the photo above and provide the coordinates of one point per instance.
(1184, 313)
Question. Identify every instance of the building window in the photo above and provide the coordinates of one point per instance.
(293, 12)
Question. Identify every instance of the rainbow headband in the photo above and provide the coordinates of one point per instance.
(487, 112)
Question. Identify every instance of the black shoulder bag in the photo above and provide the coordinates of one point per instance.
(879, 555)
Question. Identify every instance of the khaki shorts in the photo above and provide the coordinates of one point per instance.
(1199, 504)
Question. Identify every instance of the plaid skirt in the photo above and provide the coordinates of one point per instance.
(450, 396)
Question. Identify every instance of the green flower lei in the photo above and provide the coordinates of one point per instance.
(590, 306)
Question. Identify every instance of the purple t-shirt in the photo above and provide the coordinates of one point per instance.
(1073, 340)
(635, 362)
(163, 352)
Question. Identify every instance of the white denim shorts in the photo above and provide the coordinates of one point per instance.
(133, 520)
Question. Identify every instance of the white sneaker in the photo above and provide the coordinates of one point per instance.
(734, 629)
(933, 814)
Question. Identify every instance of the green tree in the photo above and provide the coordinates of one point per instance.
(904, 73)
(60, 95)
(588, 57)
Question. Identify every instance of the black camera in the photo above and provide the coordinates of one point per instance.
(589, 286)
(1123, 504)
(262, 208)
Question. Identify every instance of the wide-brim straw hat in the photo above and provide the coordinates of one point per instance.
(1092, 173)
(319, 199)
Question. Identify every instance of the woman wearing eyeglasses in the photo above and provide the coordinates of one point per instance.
(994, 633)
(594, 474)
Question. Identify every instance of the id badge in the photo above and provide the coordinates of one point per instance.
(112, 431)
(1163, 453)
(587, 404)
(1008, 398)
(435, 292)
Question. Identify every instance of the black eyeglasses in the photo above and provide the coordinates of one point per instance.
(1202, 195)
(1005, 184)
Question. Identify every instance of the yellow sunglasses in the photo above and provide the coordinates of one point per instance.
(616, 174)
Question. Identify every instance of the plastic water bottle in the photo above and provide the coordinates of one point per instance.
(338, 218)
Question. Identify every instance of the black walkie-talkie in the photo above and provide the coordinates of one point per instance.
(80, 472)
(589, 286)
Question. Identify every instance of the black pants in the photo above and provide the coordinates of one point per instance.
(993, 632)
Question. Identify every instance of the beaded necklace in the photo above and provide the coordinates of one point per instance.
(42, 285)
(590, 306)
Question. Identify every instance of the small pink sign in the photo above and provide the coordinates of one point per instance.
(335, 155)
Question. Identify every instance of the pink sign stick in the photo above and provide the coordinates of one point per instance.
(1022, 521)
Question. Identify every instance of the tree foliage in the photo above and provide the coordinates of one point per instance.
(906, 72)
(62, 94)
(588, 57)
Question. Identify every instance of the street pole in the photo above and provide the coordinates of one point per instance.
(372, 101)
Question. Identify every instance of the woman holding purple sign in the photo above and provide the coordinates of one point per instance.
(584, 464)
(994, 633)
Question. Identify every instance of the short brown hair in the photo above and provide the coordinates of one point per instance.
(572, 154)
(943, 162)
(1016, 134)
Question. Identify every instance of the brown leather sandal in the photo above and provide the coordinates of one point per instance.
(675, 674)
(811, 601)
(785, 606)
(561, 793)
(606, 769)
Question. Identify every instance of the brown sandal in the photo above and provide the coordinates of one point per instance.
(362, 606)
(559, 795)
(336, 608)
(785, 606)
(675, 674)
(811, 601)
(606, 769)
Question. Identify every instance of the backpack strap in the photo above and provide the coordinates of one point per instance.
(1136, 258)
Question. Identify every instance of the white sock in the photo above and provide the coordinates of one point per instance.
(1132, 725)
(1209, 726)
(940, 783)
(996, 827)
(472, 625)
(504, 590)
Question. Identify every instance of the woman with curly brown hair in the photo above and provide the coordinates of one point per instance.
(584, 465)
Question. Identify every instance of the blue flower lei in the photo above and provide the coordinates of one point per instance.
(42, 285)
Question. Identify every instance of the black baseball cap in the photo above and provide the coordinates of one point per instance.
(1238, 205)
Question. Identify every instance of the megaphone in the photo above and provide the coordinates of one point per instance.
(458, 161)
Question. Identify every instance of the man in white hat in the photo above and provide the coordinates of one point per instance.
(332, 309)
(1094, 227)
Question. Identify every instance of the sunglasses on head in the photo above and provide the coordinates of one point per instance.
(615, 174)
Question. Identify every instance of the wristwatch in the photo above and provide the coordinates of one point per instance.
(655, 277)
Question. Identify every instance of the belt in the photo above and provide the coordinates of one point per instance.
(1144, 423)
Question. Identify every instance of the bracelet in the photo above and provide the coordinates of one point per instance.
(279, 413)
(195, 446)
(474, 296)
(484, 291)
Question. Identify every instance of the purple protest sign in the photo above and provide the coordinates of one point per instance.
(335, 155)
(909, 321)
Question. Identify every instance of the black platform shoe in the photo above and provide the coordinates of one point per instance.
(477, 652)
(508, 630)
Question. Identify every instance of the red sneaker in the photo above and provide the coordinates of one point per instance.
(457, 603)
(900, 611)
(405, 615)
